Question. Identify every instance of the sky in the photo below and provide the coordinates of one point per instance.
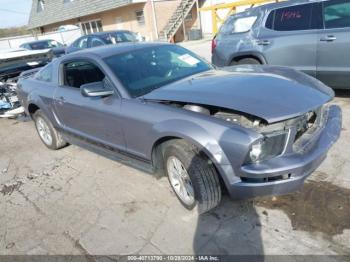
(14, 12)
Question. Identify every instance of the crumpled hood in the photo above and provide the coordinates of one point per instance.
(268, 92)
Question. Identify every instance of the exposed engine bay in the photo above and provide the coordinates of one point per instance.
(307, 123)
(221, 113)
(9, 103)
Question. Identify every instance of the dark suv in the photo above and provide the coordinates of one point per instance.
(311, 36)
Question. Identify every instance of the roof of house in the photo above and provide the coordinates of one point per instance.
(59, 10)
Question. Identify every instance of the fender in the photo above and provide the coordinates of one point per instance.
(46, 107)
(201, 138)
(192, 133)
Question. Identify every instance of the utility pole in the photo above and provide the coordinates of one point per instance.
(183, 22)
(199, 18)
(154, 19)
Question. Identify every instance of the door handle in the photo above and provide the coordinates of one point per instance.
(328, 38)
(263, 42)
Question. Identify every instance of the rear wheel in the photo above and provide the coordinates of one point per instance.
(47, 133)
(248, 61)
(192, 176)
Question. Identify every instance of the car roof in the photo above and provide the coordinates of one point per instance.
(38, 41)
(109, 32)
(271, 6)
(110, 50)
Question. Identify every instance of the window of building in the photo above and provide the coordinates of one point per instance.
(78, 73)
(189, 16)
(337, 14)
(90, 27)
(140, 17)
(41, 6)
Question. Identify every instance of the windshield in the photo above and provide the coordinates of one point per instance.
(45, 45)
(143, 70)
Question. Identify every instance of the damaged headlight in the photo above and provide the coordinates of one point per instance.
(271, 145)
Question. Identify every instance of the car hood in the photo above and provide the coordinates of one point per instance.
(268, 92)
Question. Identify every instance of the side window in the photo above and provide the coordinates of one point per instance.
(78, 73)
(129, 37)
(291, 18)
(83, 43)
(96, 42)
(337, 14)
(26, 46)
(316, 16)
(45, 74)
(270, 20)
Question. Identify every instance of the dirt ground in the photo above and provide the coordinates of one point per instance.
(73, 201)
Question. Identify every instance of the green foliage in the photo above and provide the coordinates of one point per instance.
(14, 31)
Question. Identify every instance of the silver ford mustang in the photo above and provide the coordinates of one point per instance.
(251, 130)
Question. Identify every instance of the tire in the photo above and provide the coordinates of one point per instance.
(43, 125)
(248, 61)
(202, 174)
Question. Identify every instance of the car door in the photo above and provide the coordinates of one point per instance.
(333, 65)
(96, 119)
(290, 37)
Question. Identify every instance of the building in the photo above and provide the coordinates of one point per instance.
(153, 19)
(170, 20)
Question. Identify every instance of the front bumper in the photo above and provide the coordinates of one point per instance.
(292, 168)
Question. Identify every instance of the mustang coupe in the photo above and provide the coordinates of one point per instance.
(251, 130)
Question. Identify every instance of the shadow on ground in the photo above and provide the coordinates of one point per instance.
(232, 228)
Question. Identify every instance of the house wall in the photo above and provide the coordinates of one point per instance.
(163, 12)
(120, 18)
(189, 24)
(125, 18)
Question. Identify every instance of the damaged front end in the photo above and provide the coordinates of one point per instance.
(10, 106)
(16, 64)
(292, 136)
(285, 154)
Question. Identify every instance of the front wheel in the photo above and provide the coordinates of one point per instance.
(192, 176)
(47, 133)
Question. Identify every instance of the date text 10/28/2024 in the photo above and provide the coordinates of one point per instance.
(172, 258)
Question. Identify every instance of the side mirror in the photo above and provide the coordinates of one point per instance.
(95, 89)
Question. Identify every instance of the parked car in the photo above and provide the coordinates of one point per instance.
(157, 106)
(102, 38)
(14, 61)
(67, 28)
(311, 36)
(57, 48)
